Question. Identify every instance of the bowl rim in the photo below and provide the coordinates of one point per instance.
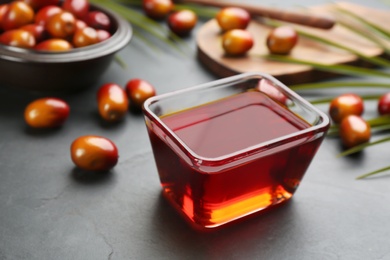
(118, 40)
(319, 129)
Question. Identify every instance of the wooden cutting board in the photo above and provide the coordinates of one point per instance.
(211, 54)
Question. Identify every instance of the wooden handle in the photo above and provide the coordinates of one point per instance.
(278, 14)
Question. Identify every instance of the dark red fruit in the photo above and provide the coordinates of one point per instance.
(61, 25)
(113, 103)
(138, 91)
(182, 22)
(282, 40)
(98, 20)
(44, 14)
(37, 30)
(17, 14)
(85, 37)
(46, 113)
(80, 24)
(3, 10)
(38, 4)
(54, 45)
(384, 104)
(230, 18)
(94, 153)
(354, 130)
(103, 35)
(344, 105)
(157, 9)
(237, 42)
(18, 38)
(78, 8)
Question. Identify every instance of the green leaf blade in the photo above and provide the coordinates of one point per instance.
(338, 69)
(363, 176)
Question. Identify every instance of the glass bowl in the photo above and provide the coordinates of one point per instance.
(67, 71)
(232, 147)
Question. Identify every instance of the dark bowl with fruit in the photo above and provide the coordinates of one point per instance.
(49, 65)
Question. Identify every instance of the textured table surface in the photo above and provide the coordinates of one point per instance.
(51, 210)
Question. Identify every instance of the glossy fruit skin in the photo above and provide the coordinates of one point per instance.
(94, 153)
(78, 8)
(3, 10)
(80, 24)
(54, 45)
(85, 37)
(61, 25)
(384, 104)
(103, 35)
(282, 40)
(98, 20)
(17, 14)
(157, 9)
(38, 4)
(18, 38)
(51, 21)
(37, 30)
(237, 42)
(46, 113)
(182, 22)
(139, 90)
(344, 105)
(45, 13)
(229, 18)
(113, 103)
(354, 130)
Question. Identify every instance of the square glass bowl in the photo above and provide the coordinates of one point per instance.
(232, 147)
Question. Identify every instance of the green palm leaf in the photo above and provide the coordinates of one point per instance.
(339, 69)
(373, 173)
(145, 24)
(329, 99)
(361, 147)
(366, 22)
(339, 84)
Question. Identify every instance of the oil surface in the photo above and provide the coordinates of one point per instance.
(233, 124)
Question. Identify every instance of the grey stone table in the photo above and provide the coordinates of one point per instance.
(51, 210)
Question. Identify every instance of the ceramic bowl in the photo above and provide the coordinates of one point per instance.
(66, 71)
